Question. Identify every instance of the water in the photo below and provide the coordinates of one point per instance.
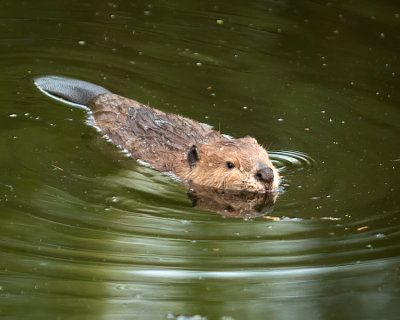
(86, 233)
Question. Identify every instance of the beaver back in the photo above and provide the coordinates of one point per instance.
(156, 137)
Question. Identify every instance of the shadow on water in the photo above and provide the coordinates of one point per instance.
(87, 233)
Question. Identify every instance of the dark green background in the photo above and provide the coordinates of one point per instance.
(87, 234)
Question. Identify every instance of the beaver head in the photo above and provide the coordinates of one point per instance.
(240, 164)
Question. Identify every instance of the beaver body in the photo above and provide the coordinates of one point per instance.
(171, 143)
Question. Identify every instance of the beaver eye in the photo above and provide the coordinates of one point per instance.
(230, 165)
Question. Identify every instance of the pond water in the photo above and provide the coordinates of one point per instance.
(86, 233)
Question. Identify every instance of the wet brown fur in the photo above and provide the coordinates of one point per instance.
(164, 141)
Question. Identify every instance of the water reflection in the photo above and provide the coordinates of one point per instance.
(239, 204)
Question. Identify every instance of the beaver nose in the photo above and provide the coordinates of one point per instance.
(265, 175)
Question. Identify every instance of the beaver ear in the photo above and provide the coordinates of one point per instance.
(193, 156)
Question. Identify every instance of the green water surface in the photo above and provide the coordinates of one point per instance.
(86, 233)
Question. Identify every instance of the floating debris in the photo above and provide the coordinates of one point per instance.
(272, 218)
(184, 317)
(330, 218)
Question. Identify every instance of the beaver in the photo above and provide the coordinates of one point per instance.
(192, 151)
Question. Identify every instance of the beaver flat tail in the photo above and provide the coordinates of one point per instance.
(72, 90)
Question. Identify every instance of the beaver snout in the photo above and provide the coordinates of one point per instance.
(265, 175)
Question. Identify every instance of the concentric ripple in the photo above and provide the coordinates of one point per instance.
(287, 161)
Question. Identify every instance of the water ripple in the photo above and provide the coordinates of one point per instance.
(287, 161)
(87, 229)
